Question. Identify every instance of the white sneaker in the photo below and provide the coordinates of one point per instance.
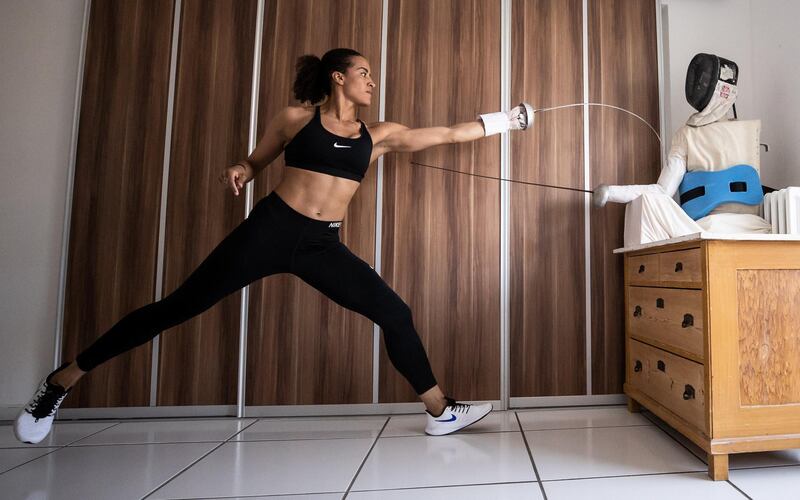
(455, 416)
(35, 420)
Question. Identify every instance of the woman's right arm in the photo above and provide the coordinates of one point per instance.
(267, 149)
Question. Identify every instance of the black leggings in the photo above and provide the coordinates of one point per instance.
(273, 239)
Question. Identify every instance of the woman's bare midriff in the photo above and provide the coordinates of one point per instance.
(316, 195)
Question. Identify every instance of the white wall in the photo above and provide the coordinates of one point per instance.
(40, 43)
(693, 26)
(760, 37)
(776, 57)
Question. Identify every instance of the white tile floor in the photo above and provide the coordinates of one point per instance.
(575, 453)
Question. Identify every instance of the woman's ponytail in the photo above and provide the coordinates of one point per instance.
(312, 82)
(309, 84)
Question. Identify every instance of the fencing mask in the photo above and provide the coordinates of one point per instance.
(710, 88)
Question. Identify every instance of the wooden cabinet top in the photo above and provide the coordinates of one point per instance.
(695, 239)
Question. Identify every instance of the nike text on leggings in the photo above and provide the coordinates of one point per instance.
(277, 239)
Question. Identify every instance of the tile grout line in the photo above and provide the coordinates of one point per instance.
(675, 439)
(441, 486)
(72, 443)
(151, 443)
(76, 444)
(24, 446)
(739, 489)
(530, 455)
(31, 460)
(355, 476)
(664, 473)
(56, 448)
(283, 440)
(311, 439)
(587, 427)
(622, 476)
(693, 453)
(254, 422)
(472, 433)
(192, 464)
(270, 495)
(767, 466)
(196, 461)
(150, 419)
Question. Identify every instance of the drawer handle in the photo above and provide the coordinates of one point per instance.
(688, 320)
(688, 393)
(678, 267)
(660, 303)
(638, 366)
(641, 268)
(637, 311)
(662, 366)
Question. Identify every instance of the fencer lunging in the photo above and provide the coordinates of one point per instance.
(295, 229)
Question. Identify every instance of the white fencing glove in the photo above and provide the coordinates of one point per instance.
(519, 117)
(668, 182)
(623, 194)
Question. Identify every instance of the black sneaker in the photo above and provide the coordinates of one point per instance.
(35, 420)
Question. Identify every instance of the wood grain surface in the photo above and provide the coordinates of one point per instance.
(303, 348)
(199, 358)
(546, 261)
(769, 341)
(440, 246)
(117, 192)
(623, 150)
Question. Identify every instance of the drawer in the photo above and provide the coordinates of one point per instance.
(670, 316)
(684, 266)
(643, 269)
(675, 382)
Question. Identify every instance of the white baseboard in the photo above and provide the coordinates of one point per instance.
(10, 412)
(554, 401)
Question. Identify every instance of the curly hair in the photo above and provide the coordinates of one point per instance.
(312, 82)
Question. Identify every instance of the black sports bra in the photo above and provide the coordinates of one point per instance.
(315, 148)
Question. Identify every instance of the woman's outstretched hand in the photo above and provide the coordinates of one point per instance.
(235, 177)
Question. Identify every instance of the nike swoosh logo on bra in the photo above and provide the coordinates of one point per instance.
(452, 417)
(341, 145)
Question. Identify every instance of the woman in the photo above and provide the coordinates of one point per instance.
(295, 229)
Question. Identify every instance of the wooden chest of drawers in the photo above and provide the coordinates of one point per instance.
(713, 343)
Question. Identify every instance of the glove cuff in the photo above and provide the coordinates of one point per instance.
(494, 123)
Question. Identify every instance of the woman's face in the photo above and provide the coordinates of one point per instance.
(357, 82)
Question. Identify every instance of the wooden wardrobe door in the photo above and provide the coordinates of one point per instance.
(547, 261)
(303, 348)
(623, 61)
(199, 358)
(117, 192)
(441, 232)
